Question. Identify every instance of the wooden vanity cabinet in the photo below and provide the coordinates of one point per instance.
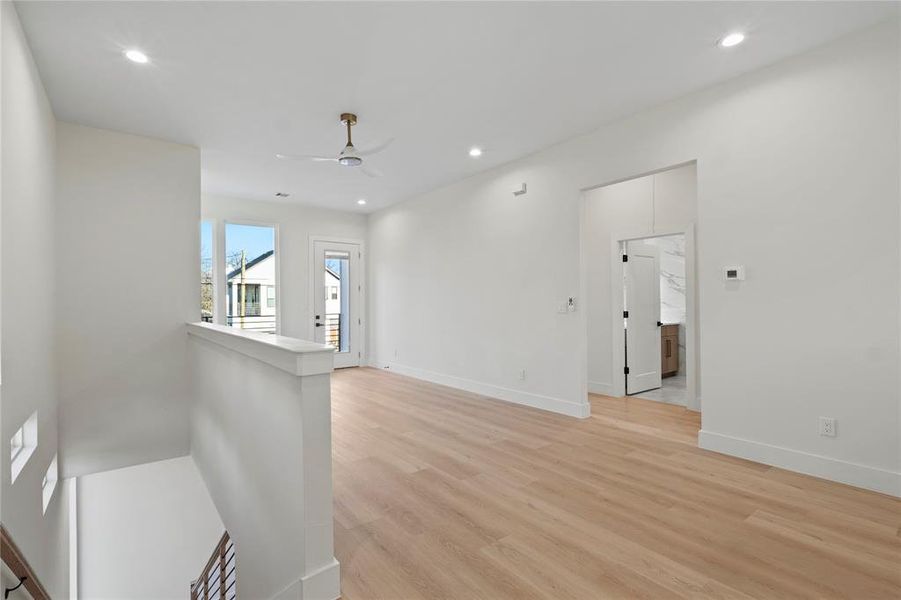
(669, 350)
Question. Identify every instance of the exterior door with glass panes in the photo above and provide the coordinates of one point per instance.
(336, 300)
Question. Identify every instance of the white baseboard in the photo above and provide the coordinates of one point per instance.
(322, 584)
(557, 405)
(599, 387)
(871, 478)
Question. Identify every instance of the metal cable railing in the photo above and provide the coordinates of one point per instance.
(218, 579)
(333, 330)
(264, 323)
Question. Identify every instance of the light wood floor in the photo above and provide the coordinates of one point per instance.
(444, 494)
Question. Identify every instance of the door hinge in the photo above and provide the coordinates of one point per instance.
(625, 314)
(359, 322)
(625, 258)
(625, 370)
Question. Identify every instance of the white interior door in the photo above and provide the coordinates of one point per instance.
(336, 299)
(642, 303)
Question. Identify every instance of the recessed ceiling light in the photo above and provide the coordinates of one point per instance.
(361, 201)
(136, 56)
(733, 39)
(474, 152)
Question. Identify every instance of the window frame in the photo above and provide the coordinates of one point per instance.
(219, 233)
(50, 480)
(16, 448)
(28, 432)
(213, 266)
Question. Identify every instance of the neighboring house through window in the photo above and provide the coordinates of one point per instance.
(250, 273)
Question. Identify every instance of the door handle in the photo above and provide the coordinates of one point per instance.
(318, 324)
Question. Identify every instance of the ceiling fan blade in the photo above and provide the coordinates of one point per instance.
(375, 149)
(371, 171)
(305, 157)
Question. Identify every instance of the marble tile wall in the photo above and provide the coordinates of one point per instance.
(672, 285)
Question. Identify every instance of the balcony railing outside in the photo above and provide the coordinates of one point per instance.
(333, 330)
(264, 323)
(218, 578)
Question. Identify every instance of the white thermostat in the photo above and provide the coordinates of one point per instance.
(735, 273)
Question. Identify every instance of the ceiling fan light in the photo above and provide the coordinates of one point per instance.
(348, 157)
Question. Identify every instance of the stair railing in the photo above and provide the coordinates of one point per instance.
(218, 579)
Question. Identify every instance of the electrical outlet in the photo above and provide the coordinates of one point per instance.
(522, 374)
(827, 426)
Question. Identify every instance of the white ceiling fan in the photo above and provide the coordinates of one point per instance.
(349, 156)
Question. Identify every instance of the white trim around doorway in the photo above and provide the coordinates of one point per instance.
(618, 387)
(363, 311)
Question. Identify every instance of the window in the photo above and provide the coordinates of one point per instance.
(23, 444)
(250, 266)
(17, 444)
(49, 484)
(206, 271)
(337, 264)
(251, 300)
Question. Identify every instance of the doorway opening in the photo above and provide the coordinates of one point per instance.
(640, 284)
(654, 318)
(337, 299)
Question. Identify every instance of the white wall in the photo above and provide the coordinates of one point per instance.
(145, 532)
(797, 180)
(295, 226)
(465, 283)
(127, 272)
(642, 206)
(27, 296)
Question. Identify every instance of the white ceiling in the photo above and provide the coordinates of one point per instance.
(246, 80)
